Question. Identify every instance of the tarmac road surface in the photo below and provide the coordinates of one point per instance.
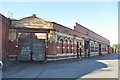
(97, 67)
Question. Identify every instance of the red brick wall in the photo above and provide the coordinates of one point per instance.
(4, 28)
(81, 29)
(91, 35)
(60, 47)
(63, 29)
(12, 47)
(52, 48)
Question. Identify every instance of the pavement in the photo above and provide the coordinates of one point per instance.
(111, 71)
(93, 67)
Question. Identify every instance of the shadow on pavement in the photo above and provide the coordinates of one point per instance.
(74, 68)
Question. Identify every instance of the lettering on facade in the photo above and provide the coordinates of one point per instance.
(32, 23)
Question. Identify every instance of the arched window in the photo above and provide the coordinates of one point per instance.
(71, 45)
(66, 45)
(61, 40)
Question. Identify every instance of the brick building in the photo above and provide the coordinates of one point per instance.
(33, 38)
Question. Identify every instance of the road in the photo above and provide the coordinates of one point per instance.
(97, 67)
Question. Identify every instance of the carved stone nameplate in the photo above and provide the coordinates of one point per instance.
(32, 22)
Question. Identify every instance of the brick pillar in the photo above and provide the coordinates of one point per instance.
(58, 47)
(4, 36)
(54, 45)
(69, 50)
(64, 47)
(75, 50)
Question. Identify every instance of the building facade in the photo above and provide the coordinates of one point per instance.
(33, 38)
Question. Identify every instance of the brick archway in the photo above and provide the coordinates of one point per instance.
(66, 45)
(71, 46)
(61, 41)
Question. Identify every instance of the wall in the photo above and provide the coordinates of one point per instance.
(91, 35)
(53, 45)
(62, 46)
(4, 31)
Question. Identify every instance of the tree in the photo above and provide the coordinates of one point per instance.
(33, 15)
(116, 46)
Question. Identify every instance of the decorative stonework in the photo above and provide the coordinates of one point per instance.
(32, 22)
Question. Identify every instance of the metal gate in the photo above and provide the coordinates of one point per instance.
(31, 49)
(24, 49)
(38, 49)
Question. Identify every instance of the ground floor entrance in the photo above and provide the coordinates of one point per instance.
(31, 46)
(87, 48)
(100, 53)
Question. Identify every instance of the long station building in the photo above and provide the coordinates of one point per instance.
(32, 38)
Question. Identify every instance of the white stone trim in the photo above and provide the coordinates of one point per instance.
(72, 48)
(51, 59)
(60, 39)
(64, 42)
(61, 58)
(65, 58)
(79, 38)
(75, 54)
(50, 41)
(12, 55)
(60, 42)
(83, 42)
(58, 46)
(46, 40)
(67, 40)
(51, 55)
(46, 46)
(96, 52)
(71, 41)
(55, 41)
(75, 42)
(65, 54)
(55, 36)
(63, 34)
(59, 54)
(16, 46)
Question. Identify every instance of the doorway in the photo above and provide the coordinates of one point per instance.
(31, 46)
(80, 49)
(77, 49)
(100, 53)
(87, 48)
